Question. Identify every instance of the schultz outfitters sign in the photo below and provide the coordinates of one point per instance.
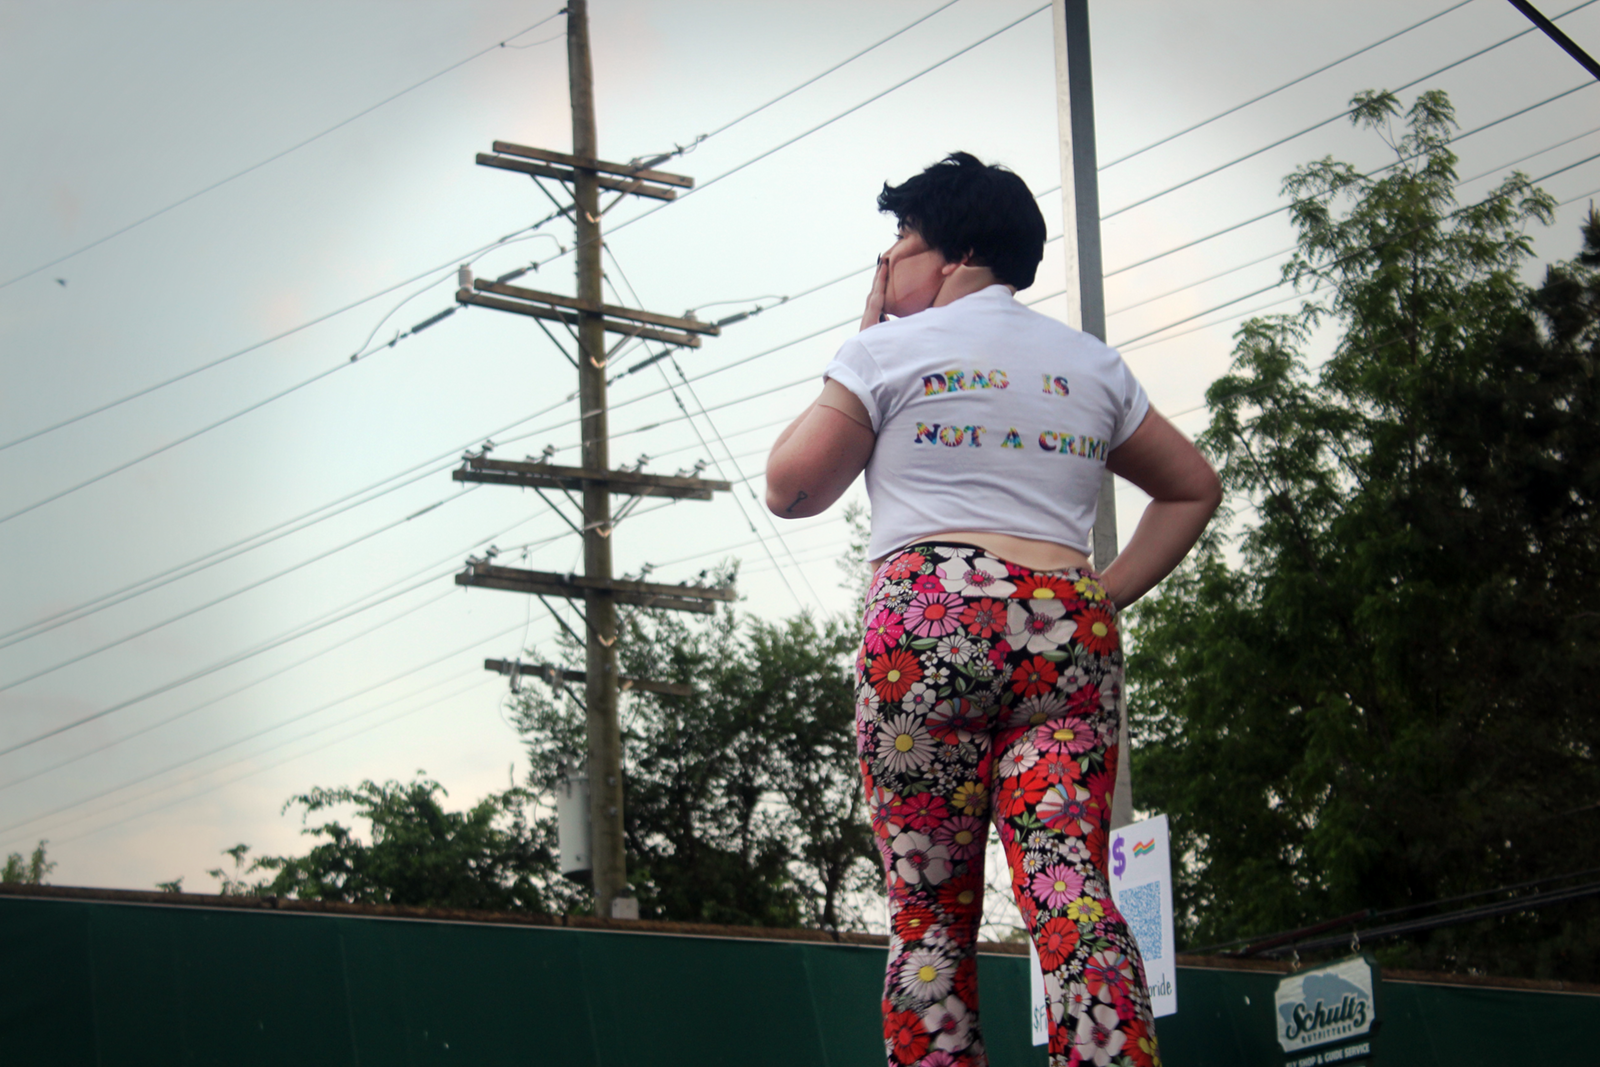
(1337, 1003)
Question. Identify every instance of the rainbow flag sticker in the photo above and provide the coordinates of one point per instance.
(1144, 848)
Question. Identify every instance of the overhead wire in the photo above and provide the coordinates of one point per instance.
(360, 604)
(107, 745)
(275, 156)
(1331, 119)
(203, 562)
(844, 322)
(200, 563)
(12, 827)
(1285, 207)
(187, 612)
(1364, 249)
(717, 465)
(1375, 173)
(1286, 85)
(293, 634)
(147, 390)
(702, 138)
(115, 470)
(477, 684)
(700, 188)
(304, 715)
(716, 462)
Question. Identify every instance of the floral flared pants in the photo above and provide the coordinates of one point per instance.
(985, 690)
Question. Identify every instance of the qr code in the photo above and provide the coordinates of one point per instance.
(1141, 907)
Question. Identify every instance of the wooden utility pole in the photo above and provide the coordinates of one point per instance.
(1086, 302)
(587, 315)
(600, 689)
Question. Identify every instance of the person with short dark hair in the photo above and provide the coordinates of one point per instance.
(990, 670)
(965, 210)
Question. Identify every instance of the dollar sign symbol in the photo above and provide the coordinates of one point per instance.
(1118, 863)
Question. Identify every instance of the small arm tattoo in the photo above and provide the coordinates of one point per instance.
(799, 497)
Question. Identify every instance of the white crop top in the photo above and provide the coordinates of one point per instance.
(990, 417)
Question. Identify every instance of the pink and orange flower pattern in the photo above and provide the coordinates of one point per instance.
(985, 690)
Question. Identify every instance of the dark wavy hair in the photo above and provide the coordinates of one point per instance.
(963, 207)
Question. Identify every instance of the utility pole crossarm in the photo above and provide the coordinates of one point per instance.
(554, 314)
(566, 168)
(553, 674)
(695, 598)
(626, 170)
(548, 476)
(539, 170)
(649, 318)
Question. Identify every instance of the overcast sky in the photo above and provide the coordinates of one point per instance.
(113, 111)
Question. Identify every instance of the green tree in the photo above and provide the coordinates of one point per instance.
(489, 857)
(742, 798)
(1384, 692)
(30, 870)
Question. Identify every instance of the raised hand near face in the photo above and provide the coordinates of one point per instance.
(875, 297)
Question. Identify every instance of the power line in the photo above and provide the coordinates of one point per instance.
(712, 455)
(105, 745)
(224, 597)
(844, 322)
(1237, 317)
(147, 390)
(1347, 256)
(220, 555)
(819, 126)
(1291, 248)
(294, 633)
(272, 158)
(1372, 174)
(1318, 125)
(198, 564)
(1523, 159)
(452, 262)
(717, 463)
(1457, 320)
(737, 433)
(801, 381)
(1279, 210)
(809, 81)
(175, 442)
(807, 528)
(1201, 281)
(478, 683)
(1288, 84)
(804, 293)
(259, 733)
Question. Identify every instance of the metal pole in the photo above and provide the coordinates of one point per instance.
(605, 735)
(1086, 303)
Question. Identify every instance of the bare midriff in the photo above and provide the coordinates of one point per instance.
(1023, 551)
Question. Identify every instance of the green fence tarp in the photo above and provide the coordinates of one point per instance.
(117, 985)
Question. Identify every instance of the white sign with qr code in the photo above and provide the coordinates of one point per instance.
(1140, 861)
(1140, 868)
